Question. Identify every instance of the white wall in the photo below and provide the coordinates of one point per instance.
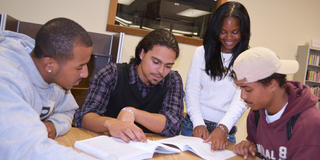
(283, 24)
(92, 15)
(278, 24)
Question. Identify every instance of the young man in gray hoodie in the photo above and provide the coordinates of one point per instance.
(35, 82)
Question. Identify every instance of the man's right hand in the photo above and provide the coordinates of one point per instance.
(126, 131)
(200, 131)
(245, 148)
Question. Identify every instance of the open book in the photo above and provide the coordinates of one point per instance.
(196, 145)
(104, 147)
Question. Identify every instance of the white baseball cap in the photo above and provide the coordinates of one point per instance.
(258, 63)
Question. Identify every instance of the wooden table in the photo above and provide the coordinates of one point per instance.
(76, 134)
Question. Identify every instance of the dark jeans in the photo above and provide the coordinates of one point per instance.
(187, 129)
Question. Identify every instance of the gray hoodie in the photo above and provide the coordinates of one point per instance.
(25, 100)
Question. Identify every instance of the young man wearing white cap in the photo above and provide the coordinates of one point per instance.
(283, 119)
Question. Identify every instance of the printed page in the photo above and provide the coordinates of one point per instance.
(152, 146)
(180, 141)
(164, 149)
(105, 147)
(197, 146)
(203, 150)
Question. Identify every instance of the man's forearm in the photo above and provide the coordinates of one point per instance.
(95, 122)
(153, 121)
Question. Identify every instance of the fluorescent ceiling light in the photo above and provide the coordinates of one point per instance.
(125, 2)
(133, 25)
(123, 20)
(192, 13)
(147, 28)
(184, 32)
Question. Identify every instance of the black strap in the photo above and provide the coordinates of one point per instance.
(290, 123)
(256, 117)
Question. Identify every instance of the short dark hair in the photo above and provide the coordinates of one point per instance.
(57, 37)
(212, 46)
(160, 37)
(280, 78)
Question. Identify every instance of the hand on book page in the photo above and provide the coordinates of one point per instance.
(105, 147)
(197, 146)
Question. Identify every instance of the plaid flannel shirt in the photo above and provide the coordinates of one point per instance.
(105, 82)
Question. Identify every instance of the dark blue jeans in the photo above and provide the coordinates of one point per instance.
(187, 128)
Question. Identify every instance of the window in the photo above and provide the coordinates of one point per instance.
(187, 19)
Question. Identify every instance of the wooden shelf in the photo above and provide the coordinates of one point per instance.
(313, 66)
(143, 32)
(312, 82)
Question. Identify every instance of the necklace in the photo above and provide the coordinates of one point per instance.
(226, 58)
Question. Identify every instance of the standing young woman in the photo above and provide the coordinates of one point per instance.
(213, 101)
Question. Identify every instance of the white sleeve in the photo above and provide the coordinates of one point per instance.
(63, 113)
(234, 112)
(193, 87)
(23, 135)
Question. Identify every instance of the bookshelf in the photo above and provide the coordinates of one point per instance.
(309, 71)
